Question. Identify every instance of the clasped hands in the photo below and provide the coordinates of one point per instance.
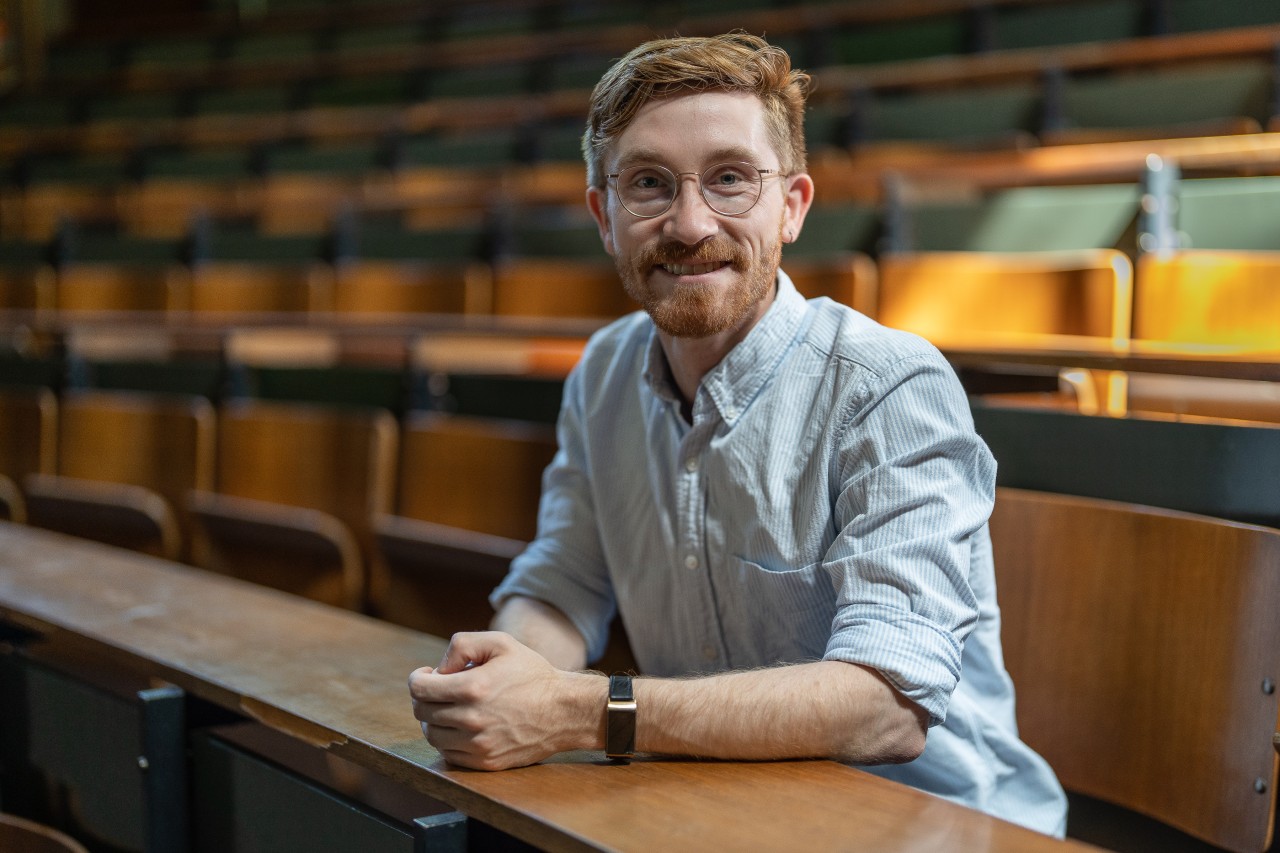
(494, 703)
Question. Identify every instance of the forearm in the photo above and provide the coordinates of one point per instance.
(544, 629)
(825, 709)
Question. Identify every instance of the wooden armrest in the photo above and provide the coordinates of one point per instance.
(436, 578)
(406, 541)
(12, 505)
(116, 513)
(255, 524)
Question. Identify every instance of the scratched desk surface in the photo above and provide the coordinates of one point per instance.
(337, 680)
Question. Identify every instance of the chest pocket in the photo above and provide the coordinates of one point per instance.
(781, 616)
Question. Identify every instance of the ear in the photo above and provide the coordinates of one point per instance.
(799, 198)
(597, 203)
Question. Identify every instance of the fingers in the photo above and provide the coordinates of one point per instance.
(473, 649)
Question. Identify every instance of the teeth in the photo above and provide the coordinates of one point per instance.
(690, 269)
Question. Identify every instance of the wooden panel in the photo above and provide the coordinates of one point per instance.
(848, 278)
(382, 288)
(297, 487)
(121, 287)
(125, 465)
(335, 461)
(1193, 298)
(435, 578)
(337, 680)
(247, 288)
(1141, 642)
(28, 432)
(160, 443)
(559, 288)
(26, 289)
(474, 473)
(963, 297)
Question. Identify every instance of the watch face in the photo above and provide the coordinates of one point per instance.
(620, 730)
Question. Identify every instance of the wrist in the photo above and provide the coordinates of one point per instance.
(587, 697)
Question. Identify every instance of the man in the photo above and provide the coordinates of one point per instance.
(785, 502)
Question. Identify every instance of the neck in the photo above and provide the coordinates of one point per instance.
(693, 358)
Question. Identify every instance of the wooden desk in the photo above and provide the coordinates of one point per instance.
(337, 680)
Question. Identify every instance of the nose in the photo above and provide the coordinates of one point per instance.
(690, 220)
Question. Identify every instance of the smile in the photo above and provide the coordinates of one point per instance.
(693, 269)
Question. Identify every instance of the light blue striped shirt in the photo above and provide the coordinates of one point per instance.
(829, 501)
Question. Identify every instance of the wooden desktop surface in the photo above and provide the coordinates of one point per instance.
(337, 680)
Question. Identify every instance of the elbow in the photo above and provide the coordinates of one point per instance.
(898, 738)
(906, 735)
(906, 745)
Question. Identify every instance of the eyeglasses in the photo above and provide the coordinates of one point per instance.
(731, 189)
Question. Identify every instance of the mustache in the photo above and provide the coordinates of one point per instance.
(714, 249)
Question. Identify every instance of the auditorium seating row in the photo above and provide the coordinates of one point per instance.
(819, 33)
(414, 522)
(474, 214)
(405, 336)
(1035, 98)
(1112, 702)
(1183, 297)
(1202, 82)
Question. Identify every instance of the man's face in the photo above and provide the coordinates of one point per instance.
(698, 272)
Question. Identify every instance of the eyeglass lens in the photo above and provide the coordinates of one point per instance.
(729, 188)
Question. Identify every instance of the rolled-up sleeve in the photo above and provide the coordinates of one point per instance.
(564, 566)
(916, 484)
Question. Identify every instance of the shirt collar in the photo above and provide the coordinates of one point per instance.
(733, 383)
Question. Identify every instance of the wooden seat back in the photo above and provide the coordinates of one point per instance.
(337, 461)
(246, 288)
(475, 474)
(125, 464)
(28, 288)
(1199, 298)
(1144, 645)
(987, 297)
(28, 443)
(87, 287)
(846, 277)
(543, 287)
(467, 504)
(389, 288)
(158, 442)
(297, 486)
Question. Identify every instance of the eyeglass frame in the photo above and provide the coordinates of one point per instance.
(765, 174)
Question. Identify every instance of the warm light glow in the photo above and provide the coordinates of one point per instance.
(1193, 300)
(1025, 299)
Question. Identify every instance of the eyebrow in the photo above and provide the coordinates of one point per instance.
(720, 155)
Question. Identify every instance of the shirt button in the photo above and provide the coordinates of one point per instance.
(731, 414)
(691, 561)
(708, 652)
(691, 464)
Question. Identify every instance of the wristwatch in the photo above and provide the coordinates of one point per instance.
(620, 720)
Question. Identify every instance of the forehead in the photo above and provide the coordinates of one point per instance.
(694, 130)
